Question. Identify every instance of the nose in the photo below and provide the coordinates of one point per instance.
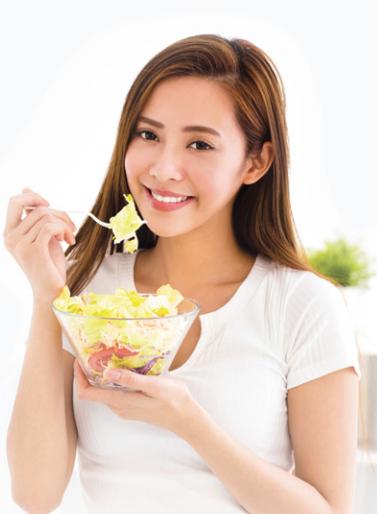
(167, 166)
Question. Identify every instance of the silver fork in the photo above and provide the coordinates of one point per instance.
(91, 215)
(94, 218)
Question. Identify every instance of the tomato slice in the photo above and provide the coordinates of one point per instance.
(98, 360)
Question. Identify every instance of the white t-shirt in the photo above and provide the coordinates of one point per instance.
(281, 328)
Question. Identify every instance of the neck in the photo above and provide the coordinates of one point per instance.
(195, 262)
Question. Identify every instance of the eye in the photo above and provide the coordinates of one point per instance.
(142, 131)
(208, 146)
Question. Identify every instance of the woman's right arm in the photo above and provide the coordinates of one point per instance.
(41, 442)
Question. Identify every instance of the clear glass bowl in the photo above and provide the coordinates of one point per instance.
(143, 345)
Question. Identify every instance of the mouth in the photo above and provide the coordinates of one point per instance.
(185, 196)
(166, 206)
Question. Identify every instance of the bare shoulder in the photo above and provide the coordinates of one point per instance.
(323, 424)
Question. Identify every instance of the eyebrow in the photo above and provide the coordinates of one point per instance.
(190, 128)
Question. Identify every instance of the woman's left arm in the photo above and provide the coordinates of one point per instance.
(323, 428)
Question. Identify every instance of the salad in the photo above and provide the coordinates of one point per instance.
(122, 330)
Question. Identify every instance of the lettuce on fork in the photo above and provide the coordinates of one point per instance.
(124, 226)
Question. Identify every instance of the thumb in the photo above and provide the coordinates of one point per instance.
(132, 380)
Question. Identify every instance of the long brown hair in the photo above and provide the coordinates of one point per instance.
(261, 217)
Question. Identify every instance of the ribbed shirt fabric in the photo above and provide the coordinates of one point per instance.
(281, 328)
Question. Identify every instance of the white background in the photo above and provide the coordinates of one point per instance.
(66, 68)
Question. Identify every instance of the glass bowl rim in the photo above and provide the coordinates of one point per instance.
(195, 310)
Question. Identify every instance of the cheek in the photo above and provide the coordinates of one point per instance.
(208, 186)
(134, 161)
(212, 186)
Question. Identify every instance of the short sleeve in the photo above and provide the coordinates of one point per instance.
(319, 336)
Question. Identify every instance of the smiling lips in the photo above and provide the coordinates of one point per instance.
(165, 192)
(166, 206)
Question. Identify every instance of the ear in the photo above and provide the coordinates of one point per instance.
(258, 163)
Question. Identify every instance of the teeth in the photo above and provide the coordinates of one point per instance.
(169, 199)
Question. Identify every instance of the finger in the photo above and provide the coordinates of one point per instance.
(132, 380)
(61, 214)
(17, 204)
(31, 219)
(27, 190)
(85, 391)
(64, 216)
(42, 232)
(37, 213)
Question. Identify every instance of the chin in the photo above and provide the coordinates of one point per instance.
(164, 230)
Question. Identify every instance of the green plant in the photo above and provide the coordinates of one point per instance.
(346, 263)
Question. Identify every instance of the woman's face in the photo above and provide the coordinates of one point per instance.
(196, 162)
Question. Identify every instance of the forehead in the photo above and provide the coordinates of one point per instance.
(191, 100)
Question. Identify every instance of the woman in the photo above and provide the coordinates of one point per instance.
(259, 411)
